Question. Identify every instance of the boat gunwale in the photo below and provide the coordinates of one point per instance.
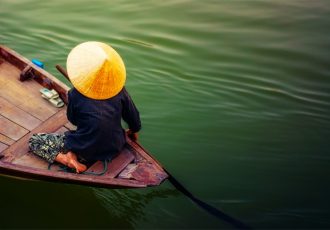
(25, 171)
(73, 178)
(21, 63)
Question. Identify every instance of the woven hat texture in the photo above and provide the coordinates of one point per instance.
(96, 70)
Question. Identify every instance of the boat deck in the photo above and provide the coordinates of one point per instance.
(24, 112)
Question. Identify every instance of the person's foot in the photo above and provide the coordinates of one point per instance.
(70, 159)
(74, 163)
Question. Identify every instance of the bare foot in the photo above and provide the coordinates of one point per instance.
(70, 159)
(74, 163)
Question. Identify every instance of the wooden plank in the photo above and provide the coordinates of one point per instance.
(20, 147)
(11, 129)
(6, 140)
(97, 167)
(17, 115)
(7, 55)
(21, 62)
(31, 160)
(119, 163)
(61, 130)
(70, 126)
(115, 166)
(144, 154)
(148, 174)
(24, 95)
(3, 147)
(29, 172)
(42, 76)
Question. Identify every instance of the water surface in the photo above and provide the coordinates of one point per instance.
(234, 98)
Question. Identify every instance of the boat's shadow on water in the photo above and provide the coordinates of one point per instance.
(34, 204)
(130, 205)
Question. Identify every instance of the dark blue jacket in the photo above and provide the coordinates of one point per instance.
(99, 133)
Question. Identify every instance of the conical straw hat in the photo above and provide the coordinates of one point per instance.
(96, 70)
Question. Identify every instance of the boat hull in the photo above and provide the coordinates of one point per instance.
(24, 112)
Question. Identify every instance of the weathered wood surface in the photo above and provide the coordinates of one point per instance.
(11, 129)
(18, 115)
(31, 160)
(19, 170)
(119, 163)
(61, 130)
(20, 147)
(41, 76)
(6, 140)
(24, 112)
(70, 126)
(115, 166)
(143, 153)
(24, 95)
(3, 147)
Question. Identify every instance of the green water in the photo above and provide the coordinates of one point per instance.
(234, 98)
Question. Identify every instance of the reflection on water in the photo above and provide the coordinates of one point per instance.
(35, 204)
(234, 98)
(129, 205)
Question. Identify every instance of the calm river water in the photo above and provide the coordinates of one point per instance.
(234, 98)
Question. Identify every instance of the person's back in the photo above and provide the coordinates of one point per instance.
(99, 134)
(96, 105)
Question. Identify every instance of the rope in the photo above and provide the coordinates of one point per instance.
(105, 169)
(64, 168)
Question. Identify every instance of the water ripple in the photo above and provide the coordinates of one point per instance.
(241, 87)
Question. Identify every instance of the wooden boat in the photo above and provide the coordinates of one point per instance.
(24, 112)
